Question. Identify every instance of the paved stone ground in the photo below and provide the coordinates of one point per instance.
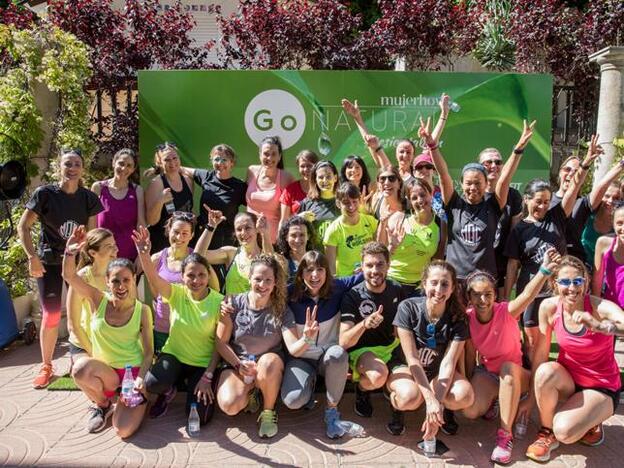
(45, 428)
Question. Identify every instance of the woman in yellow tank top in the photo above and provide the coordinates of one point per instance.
(120, 334)
(100, 248)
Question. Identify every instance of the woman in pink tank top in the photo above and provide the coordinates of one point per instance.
(495, 335)
(585, 379)
(608, 280)
(265, 183)
(122, 199)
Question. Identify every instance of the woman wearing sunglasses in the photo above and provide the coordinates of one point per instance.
(495, 335)
(581, 389)
(169, 190)
(433, 331)
(415, 239)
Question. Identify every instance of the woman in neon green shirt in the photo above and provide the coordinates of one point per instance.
(120, 334)
(188, 353)
(415, 239)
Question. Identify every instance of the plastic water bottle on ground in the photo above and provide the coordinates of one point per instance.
(520, 428)
(250, 378)
(352, 429)
(429, 447)
(127, 384)
(192, 427)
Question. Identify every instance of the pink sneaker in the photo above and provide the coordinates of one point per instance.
(504, 445)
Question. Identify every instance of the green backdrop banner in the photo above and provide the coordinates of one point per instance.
(199, 109)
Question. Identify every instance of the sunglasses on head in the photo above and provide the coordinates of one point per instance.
(77, 151)
(489, 162)
(424, 166)
(567, 282)
(431, 339)
(184, 216)
(389, 178)
(165, 145)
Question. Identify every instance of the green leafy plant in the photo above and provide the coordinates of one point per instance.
(13, 260)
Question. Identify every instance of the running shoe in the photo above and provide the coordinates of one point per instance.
(253, 404)
(593, 437)
(98, 417)
(44, 377)
(333, 428)
(363, 406)
(493, 411)
(450, 426)
(160, 406)
(396, 426)
(268, 424)
(541, 449)
(504, 445)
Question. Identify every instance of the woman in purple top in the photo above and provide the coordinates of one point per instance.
(122, 199)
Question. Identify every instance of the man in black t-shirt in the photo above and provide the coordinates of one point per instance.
(366, 330)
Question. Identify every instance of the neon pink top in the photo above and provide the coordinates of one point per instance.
(588, 356)
(613, 277)
(120, 216)
(497, 341)
(265, 201)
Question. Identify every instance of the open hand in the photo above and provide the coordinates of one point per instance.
(141, 238)
(77, 240)
(351, 108)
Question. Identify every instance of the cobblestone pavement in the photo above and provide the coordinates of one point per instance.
(46, 428)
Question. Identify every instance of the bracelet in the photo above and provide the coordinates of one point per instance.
(443, 118)
(545, 271)
(585, 167)
(205, 378)
(518, 150)
(210, 228)
(69, 253)
(378, 149)
(432, 147)
(308, 341)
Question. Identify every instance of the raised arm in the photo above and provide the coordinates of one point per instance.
(215, 217)
(444, 113)
(147, 340)
(262, 226)
(569, 197)
(511, 165)
(75, 242)
(533, 288)
(595, 196)
(143, 244)
(446, 182)
(74, 312)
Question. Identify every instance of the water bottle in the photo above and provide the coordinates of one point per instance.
(193, 421)
(170, 207)
(520, 429)
(127, 384)
(429, 447)
(353, 429)
(250, 378)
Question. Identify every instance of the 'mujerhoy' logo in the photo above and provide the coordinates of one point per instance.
(275, 112)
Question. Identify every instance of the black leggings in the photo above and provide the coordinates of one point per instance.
(169, 371)
(50, 287)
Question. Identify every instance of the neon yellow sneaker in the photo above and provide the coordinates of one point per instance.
(268, 424)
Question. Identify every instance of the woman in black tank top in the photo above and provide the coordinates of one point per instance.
(169, 192)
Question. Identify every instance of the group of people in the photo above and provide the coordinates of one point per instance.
(388, 280)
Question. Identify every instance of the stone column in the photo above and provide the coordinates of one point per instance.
(610, 123)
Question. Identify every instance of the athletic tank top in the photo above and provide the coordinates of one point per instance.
(237, 276)
(85, 309)
(120, 216)
(117, 346)
(182, 200)
(161, 309)
(265, 201)
(588, 356)
(613, 278)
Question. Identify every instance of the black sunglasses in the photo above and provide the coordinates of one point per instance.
(424, 166)
(165, 145)
(389, 178)
(77, 151)
(489, 162)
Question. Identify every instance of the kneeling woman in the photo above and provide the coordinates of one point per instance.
(433, 331)
(188, 353)
(585, 378)
(121, 335)
(250, 340)
(495, 335)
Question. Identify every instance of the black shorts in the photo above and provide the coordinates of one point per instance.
(530, 317)
(614, 395)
